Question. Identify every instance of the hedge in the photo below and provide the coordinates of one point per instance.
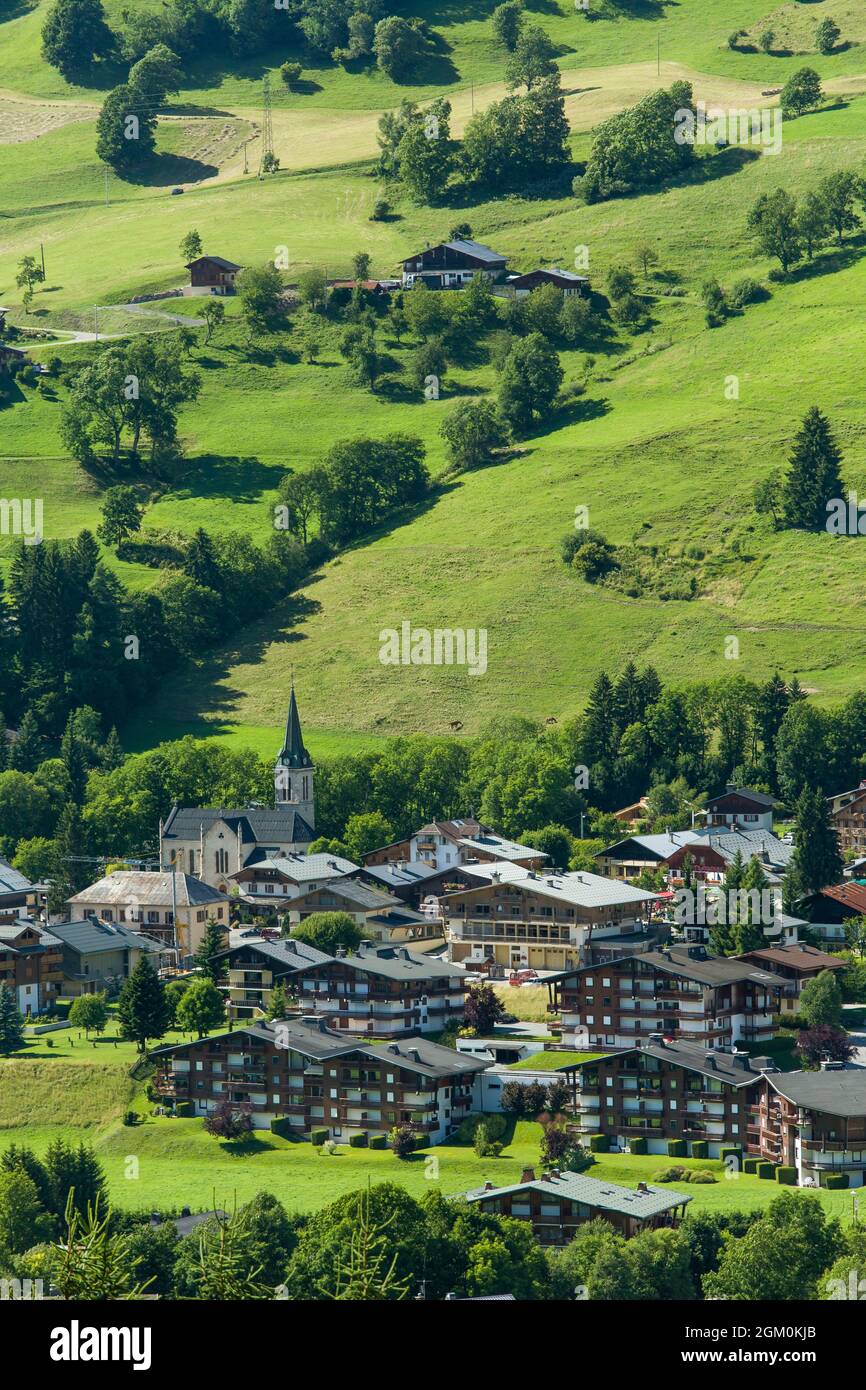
(494, 1124)
(358, 1141)
(282, 1125)
(677, 1148)
(786, 1176)
(730, 1152)
(750, 1165)
(700, 1149)
(184, 1109)
(318, 1136)
(637, 1146)
(423, 1141)
(836, 1180)
(766, 1170)
(599, 1143)
(378, 1141)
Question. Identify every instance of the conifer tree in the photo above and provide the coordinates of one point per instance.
(816, 855)
(27, 749)
(813, 477)
(143, 1009)
(208, 958)
(11, 1022)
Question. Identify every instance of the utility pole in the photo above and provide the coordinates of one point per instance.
(106, 185)
(267, 124)
(42, 254)
(659, 55)
(472, 91)
(96, 317)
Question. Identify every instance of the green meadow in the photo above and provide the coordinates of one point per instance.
(656, 448)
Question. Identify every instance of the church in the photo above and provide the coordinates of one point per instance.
(213, 842)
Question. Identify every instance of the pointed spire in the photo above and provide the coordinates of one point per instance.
(293, 753)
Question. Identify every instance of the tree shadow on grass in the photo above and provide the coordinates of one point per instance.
(169, 169)
(245, 1148)
(577, 412)
(242, 479)
(826, 262)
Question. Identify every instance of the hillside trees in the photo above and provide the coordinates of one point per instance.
(399, 45)
(125, 129)
(507, 21)
(531, 58)
(773, 220)
(425, 153)
(74, 35)
(802, 92)
(529, 382)
(633, 150)
(518, 140)
(472, 431)
(813, 479)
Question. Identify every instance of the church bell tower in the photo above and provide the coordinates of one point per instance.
(294, 770)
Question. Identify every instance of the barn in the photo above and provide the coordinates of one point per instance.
(212, 275)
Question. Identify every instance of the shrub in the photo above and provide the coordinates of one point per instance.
(599, 1143)
(677, 1148)
(378, 1141)
(637, 1146)
(358, 1141)
(185, 1110)
(381, 209)
(766, 1170)
(673, 1174)
(701, 1175)
(745, 291)
(787, 1176)
(318, 1136)
(291, 74)
(130, 1118)
(282, 1125)
(403, 1140)
(834, 1181)
(700, 1149)
(728, 1150)
(494, 1124)
(750, 1165)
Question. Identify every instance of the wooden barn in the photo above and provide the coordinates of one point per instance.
(212, 275)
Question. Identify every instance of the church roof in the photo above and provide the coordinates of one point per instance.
(293, 753)
(257, 824)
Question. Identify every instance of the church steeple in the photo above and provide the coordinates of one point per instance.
(294, 769)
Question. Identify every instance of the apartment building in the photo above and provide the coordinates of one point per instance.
(516, 917)
(313, 1077)
(814, 1121)
(848, 816)
(796, 964)
(31, 965)
(381, 990)
(273, 880)
(558, 1204)
(681, 992)
(446, 843)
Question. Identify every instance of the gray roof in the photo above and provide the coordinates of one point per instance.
(293, 954)
(149, 890)
(581, 889)
(398, 963)
(474, 248)
(660, 846)
(429, 1058)
(10, 930)
(217, 260)
(11, 881)
(696, 963)
(92, 937)
(762, 843)
(733, 1068)
(361, 895)
(606, 1196)
(293, 753)
(404, 874)
(301, 868)
(491, 843)
(748, 793)
(840, 1093)
(278, 825)
(552, 270)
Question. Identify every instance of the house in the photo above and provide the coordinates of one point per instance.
(709, 852)
(275, 881)
(836, 903)
(564, 280)
(557, 1204)
(678, 991)
(11, 357)
(415, 882)
(634, 813)
(255, 966)
(308, 1076)
(377, 287)
(814, 1121)
(795, 964)
(15, 890)
(98, 955)
(848, 816)
(659, 1090)
(452, 264)
(630, 857)
(213, 843)
(515, 917)
(30, 965)
(443, 844)
(741, 808)
(377, 913)
(173, 908)
(212, 275)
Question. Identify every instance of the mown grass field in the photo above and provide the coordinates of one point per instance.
(654, 448)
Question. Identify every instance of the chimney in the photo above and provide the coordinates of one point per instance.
(528, 1175)
(642, 1187)
(488, 1187)
(711, 1061)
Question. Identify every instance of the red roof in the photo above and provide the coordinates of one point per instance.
(849, 894)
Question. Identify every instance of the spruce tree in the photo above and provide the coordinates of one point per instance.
(143, 1009)
(111, 756)
(74, 760)
(11, 1022)
(813, 477)
(748, 931)
(600, 733)
(278, 1005)
(816, 856)
(26, 752)
(208, 958)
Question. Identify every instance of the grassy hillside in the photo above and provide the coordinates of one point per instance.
(654, 448)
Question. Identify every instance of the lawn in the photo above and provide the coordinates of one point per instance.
(526, 1002)
(552, 1061)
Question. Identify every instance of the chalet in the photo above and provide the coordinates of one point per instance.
(378, 914)
(565, 280)
(442, 844)
(742, 809)
(679, 991)
(213, 843)
(305, 1076)
(387, 991)
(795, 964)
(212, 275)
(452, 264)
(557, 1204)
(515, 917)
(848, 816)
(15, 890)
(276, 880)
(660, 1090)
(173, 908)
(836, 903)
(30, 965)
(630, 857)
(415, 881)
(11, 357)
(709, 852)
(98, 955)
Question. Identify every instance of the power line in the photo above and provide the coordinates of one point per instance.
(266, 156)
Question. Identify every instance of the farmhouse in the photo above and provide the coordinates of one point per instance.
(213, 843)
(306, 1076)
(31, 965)
(212, 275)
(741, 808)
(678, 991)
(98, 954)
(11, 357)
(516, 917)
(564, 280)
(173, 908)
(557, 1204)
(452, 264)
